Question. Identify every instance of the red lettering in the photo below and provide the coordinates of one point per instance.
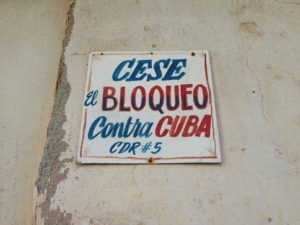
(176, 129)
(158, 132)
(184, 98)
(204, 126)
(106, 96)
(143, 99)
(192, 122)
(122, 100)
(196, 98)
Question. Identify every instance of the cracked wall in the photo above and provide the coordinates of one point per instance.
(254, 54)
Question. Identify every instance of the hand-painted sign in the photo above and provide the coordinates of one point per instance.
(149, 108)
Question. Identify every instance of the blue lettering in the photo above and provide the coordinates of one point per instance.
(139, 70)
(101, 121)
(91, 98)
(116, 74)
(157, 69)
(101, 128)
(175, 68)
(112, 148)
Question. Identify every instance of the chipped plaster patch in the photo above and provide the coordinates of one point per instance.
(50, 174)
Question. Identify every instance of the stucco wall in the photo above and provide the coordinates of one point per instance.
(255, 53)
(31, 34)
(254, 47)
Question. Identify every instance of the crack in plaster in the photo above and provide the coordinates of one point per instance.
(260, 89)
(249, 29)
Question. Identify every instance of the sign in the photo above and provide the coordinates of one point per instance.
(149, 108)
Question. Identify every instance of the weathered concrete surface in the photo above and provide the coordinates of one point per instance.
(49, 173)
(30, 48)
(255, 53)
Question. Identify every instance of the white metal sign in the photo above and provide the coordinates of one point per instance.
(149, 108)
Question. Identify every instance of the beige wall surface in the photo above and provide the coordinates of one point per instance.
(31, 34)
(255, 54)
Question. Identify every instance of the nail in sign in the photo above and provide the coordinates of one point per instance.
(149, 108)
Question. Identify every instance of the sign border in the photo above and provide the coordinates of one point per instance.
(161, 160)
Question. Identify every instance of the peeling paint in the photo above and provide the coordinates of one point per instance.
(256, 177)
(50, 167)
